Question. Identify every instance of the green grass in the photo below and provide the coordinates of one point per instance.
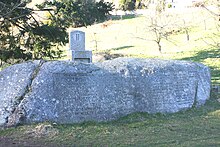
(194, 127)
(122, 38)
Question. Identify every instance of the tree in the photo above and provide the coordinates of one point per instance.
(24, 35)
(127, 5)
(160, 7)
(142, 4)
(160, 29)
(214, 39)
(78, 13)
(215, 3)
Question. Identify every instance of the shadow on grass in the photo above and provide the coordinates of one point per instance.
(108, 55)
(121, 48)
(210, 106)
(204, 54)
(123, 17)
(201, 56)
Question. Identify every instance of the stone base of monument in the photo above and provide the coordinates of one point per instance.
(70, 92)
(81, 56)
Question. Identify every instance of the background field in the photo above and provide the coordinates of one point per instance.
(129, 36)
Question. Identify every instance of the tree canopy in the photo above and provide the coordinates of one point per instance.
(127, 4)
(24, 34)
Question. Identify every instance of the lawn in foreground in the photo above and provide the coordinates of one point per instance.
(194, 127)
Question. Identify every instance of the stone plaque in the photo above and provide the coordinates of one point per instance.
(86, 92)
(77, 40)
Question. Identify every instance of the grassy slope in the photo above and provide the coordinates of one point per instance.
(122, 37)
(194, 127)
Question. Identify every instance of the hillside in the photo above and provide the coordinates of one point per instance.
(129, 36)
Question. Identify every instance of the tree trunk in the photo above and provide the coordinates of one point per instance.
(159, 47)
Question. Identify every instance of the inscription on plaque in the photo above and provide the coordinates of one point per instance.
(86, 92)
(94, 95)
(77, 40)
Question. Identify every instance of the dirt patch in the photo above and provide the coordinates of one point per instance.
(43, 130)
(13, 142)
(31, 137)
(102, 56)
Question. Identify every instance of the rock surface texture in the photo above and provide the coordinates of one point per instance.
(68, 92)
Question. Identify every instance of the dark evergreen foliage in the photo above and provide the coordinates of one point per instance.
(24, 35)
(127, 5)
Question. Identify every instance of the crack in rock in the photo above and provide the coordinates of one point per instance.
(18, 114)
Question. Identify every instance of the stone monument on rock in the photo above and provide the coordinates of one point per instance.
(77, 47)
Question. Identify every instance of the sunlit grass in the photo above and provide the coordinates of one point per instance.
(130, 37)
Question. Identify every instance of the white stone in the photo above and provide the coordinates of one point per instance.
(77, 47)
(77, 40)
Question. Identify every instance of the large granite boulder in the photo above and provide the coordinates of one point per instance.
(68, 92)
